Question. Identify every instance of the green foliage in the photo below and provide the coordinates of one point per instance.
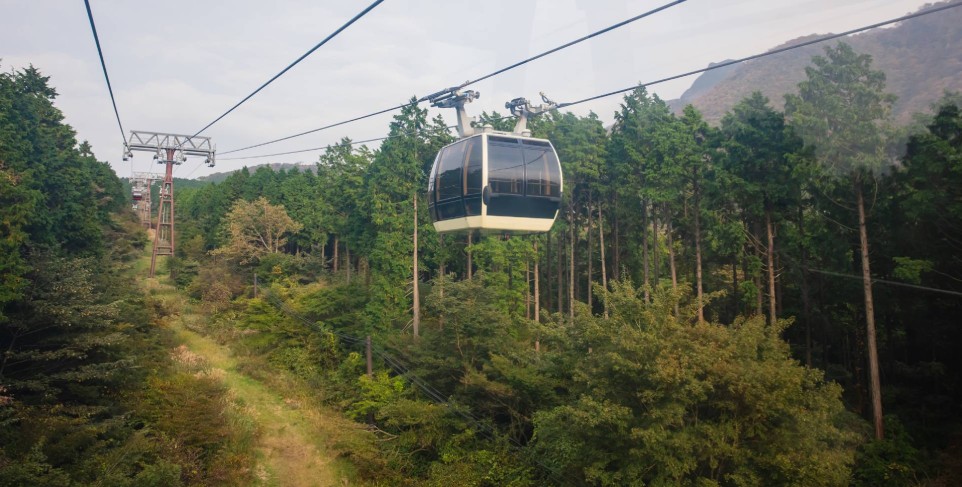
(661, 401)
(376, 392)
(839, 110)
(33, 469)
(893, 461)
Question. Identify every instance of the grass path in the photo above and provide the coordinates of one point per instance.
(297, 442)
(292, 452)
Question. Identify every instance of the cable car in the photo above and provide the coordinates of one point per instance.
(137, 195)
(496, 182)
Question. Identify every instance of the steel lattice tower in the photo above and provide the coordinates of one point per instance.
(143, 181)
(169, 150)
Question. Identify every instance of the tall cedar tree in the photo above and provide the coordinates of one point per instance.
(841, 110)
(758, 148)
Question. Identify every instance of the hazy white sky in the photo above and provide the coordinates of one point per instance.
(176, 65)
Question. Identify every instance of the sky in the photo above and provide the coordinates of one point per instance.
(176, 65)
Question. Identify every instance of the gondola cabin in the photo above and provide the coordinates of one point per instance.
(137, 195)
(495, 182)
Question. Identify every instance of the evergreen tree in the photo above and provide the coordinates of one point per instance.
(841, 110)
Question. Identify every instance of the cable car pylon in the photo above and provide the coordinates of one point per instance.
(170, 150)
(143, 182)
(494, 181)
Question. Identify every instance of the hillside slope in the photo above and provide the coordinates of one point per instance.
(921, 58)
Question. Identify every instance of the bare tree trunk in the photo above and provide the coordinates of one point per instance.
(571, 267)
(336, 245)
(589, 256)
(698, 274)
(560, 271)
(537, 289)
(772, 311)
(441, 264)
(601, 246)
(806, 300)
(616, 263)
(779, 283)
(470, 262)
(416, 321)
(875, 384)
(441, 277)
(348, 264)
(655, 255)
(644, 251)
(527, 290)
(671, 257)
(759, 298)
(547, 272)
(734, 287)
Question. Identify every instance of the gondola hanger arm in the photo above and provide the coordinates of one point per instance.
(455, 98)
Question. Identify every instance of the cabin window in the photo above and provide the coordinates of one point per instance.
(505, 166)
(449, 204)
(542, 172)
(473, 176)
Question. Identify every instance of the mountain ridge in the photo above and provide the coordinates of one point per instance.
(921, 59)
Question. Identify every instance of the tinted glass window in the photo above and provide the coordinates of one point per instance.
(473, 174)
(449, 172)
(505, 167)
(432, 181)
(542, 171)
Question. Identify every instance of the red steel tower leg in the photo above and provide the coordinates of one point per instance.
(164, 236)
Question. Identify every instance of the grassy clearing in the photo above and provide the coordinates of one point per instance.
(298, 442)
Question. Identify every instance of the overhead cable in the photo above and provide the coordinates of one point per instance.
(357, 142)
(768, 53)
(709, 68)
(497, 72)
(296, 61)
(100, 52)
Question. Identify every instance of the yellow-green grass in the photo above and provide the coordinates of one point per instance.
(299, 442)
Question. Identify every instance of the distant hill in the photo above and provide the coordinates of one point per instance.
(921, 58)
(218, 177)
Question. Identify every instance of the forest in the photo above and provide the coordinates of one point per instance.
(768, 301)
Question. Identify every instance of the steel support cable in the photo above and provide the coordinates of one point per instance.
(765, 54)
(738, 61)
(289, 66)
(449, 127)
(874, 280)
(576, 41)
(103, 64)
(495, 73)
(296, 61)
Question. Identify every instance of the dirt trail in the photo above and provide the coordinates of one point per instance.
(295, 438)
(292, 452)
